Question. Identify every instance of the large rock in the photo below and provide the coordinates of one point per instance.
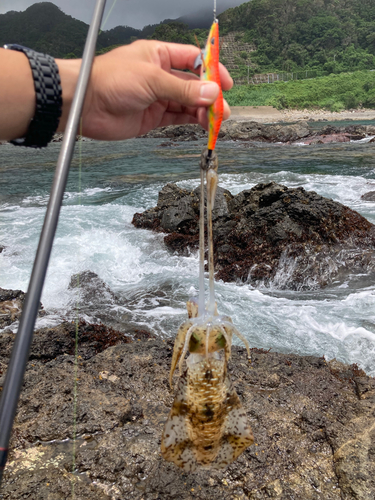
(313, 423)
(270, 233)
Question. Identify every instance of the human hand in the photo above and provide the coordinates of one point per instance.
(138, 87)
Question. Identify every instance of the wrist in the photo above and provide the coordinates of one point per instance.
(69, 71)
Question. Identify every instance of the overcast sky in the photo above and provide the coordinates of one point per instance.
(134, 13)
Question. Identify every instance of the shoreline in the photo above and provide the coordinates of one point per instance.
(268, 114)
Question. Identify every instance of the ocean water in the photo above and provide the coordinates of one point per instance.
(95, 233)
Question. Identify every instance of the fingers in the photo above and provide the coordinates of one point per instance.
(202, 115)
(189, 76)
(185, 90)
(184, 75)
(225, 78)
(183, 57)
(180, 56)
(227, 111)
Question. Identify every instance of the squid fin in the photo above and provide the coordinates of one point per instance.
(176, 445)
(237, 435)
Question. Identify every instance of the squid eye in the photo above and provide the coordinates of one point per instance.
(213, 41)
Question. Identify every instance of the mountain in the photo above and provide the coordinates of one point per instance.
(45, 28)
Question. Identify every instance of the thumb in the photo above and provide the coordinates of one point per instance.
(187, 92)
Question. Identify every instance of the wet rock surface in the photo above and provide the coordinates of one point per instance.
(270, 234)
(93, 301)
(313, 422)
(287, 133)
(97, 303)
(370, 196)
(11, 303)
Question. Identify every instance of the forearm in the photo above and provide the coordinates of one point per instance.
(17, 94)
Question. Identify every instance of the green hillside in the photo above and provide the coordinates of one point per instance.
(332, 92)
(333, 35)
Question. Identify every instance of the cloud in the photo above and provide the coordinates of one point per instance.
(134, 13)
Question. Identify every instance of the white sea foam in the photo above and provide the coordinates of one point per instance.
(365, 140)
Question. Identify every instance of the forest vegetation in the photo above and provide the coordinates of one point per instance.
(335, 38)
(331, 35)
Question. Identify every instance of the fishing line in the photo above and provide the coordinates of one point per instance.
(201, 300)
(75, 370)
(107, 16)
(75, 367)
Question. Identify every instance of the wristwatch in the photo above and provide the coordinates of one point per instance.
(48, 95)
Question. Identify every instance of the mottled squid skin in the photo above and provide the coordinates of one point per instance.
(203, 336)
(207, 425)
(209, 61)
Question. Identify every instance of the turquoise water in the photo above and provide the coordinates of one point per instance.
(95, 233)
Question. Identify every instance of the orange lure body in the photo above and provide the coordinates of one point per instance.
(209, 61)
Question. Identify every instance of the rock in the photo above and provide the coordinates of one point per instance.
(270, 234)
(48, 343)
(331, 134)
(327, 139)
(58, 137)
(370, 196)
(233, 130)
(259, 132)
(188, 132)
(95, 300)
(313, 424)
(177, 210)
(11, 303)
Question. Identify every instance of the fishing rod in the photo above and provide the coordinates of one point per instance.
(21, 349)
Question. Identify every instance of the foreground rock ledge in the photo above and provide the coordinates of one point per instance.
(291, 238)
(313, 422)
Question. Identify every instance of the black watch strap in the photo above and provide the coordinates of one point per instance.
(48, 98)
